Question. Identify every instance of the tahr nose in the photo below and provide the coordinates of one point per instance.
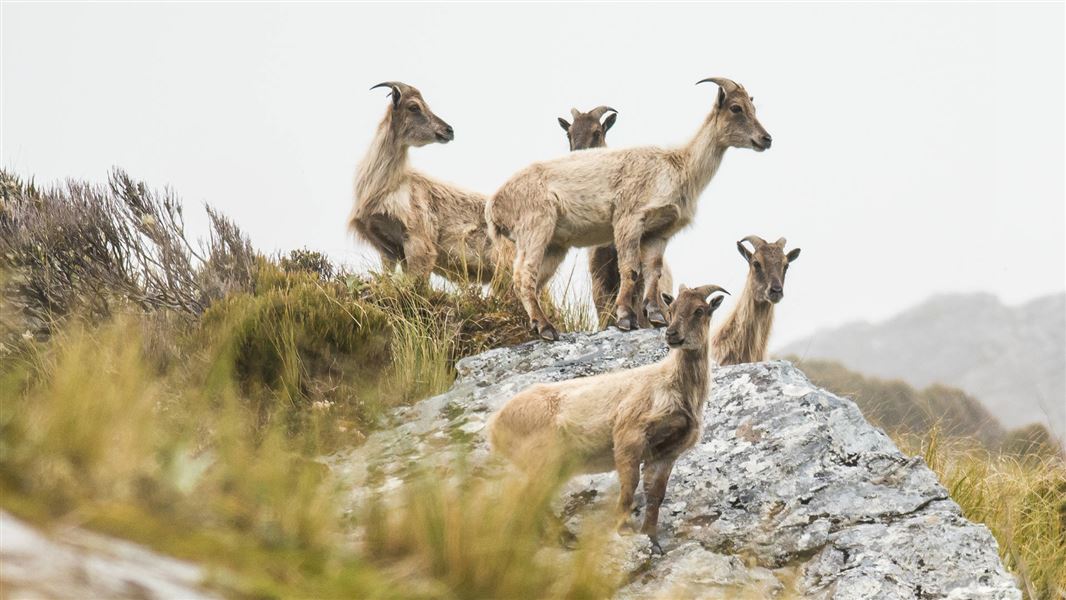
(776, 289)
(767, 140)
(448, 130)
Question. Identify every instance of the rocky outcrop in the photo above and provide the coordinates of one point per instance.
(790, 491)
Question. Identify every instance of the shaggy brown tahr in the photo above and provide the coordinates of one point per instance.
(618, 421)
(588, 132)
(743, 336)
(413, 221)
(636, 198)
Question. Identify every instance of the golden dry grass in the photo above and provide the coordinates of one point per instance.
(1021, 500)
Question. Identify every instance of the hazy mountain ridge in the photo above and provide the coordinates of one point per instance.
(1009, 357)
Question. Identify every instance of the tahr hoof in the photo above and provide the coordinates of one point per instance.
(548, 333)
(656, 318)
(626, 322)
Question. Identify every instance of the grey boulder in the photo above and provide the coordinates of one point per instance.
(790, 492)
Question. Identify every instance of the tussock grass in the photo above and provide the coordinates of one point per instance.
(1022, 500)
(350, 346)
(485, 538)
(299, 342)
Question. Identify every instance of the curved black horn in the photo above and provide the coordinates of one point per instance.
(707, 290)
(398, 89)
(599, 111)
(726, 84)
(755, 241)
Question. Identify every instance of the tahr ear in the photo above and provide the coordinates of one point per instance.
(721, 97)
(609, 121)
(744, 251)
(716, 302)
(564, 124)
(793, 255)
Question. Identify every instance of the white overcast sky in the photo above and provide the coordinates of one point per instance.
(918, 148)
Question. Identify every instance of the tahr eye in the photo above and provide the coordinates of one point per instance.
(758, 265)
(414, 108)
(736, 108)
(699, 312)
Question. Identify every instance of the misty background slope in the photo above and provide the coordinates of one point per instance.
(1009, 357)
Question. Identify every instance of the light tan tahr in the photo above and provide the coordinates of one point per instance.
(420, 224)
(743, 336)
(618, 421)
(637, 198)
(588, 132)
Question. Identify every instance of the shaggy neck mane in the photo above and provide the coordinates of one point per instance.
(382, 170)
(743, 335)
(688, 373)
(702, 156)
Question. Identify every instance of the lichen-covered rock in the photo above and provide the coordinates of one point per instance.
(789, 490)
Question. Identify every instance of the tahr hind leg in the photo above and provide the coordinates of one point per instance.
(529, 265)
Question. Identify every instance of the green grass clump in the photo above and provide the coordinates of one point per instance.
(349, 347)
(301, 343)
